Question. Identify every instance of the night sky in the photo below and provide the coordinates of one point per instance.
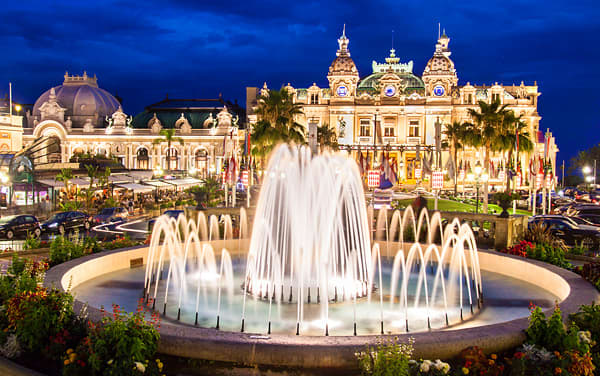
(197, 49)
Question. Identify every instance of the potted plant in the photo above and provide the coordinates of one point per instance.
(504, 200)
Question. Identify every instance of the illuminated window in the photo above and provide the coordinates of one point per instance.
(365, 128)
(495, 97)
(314, 99)
(389, 128)
(413, 128)
(469, 98)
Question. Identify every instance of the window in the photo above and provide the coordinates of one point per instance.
(201, 158)
(142, 158)
(314, 99)
(365, 128)
(413, 128)
(389, 128)
(495, 97)
(469, 98)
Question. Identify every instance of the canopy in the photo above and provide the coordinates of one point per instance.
(140, 175)
(158, 184)
(136, 188)
(185, 182)
(51, 183)
(79, 182)
(116, 179)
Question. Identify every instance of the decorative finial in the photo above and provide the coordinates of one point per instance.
(344, 31)
(439, 26)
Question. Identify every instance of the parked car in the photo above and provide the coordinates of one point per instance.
(108, 215)
(15, 226)
(172, 213)
(65, 221)
(570, 232)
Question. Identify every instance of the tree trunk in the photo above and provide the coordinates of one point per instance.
(485, 184)
(455, 171)
(507, 176)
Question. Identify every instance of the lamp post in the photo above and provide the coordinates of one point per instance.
(479, 176)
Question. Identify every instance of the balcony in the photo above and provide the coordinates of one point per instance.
(389, 140)
(413, 140)
(365, 140)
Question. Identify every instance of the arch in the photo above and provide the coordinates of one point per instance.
(200, 160)
(171, 158)
(49, 128)
(142, 158)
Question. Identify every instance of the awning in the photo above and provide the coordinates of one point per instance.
(185, 182)
(51, 183)
(141, 175)
(158, 184)
(136, 188)
(80, 182)
(116, 179)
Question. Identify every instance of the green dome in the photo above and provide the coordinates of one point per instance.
(409, 81)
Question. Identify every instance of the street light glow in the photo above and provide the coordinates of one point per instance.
(587, 169)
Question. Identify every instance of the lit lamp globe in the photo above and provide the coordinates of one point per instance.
(193, 171)
(484, 177)
(478, 169)
(589, 179)
(470, 176)
(587, 169)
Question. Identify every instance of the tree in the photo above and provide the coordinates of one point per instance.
(327, 138)
(92, 173)
(487, 123)
(168, 136)
(276, 122)
(507, 134)
(456, 133)
(65, 175)
(209, 194)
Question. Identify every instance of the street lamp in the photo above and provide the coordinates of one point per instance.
(480, 176)
(587, 169)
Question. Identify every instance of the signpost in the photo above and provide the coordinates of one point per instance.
(437, 183)
(373, 178)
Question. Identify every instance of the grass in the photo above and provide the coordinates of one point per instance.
(455, 206)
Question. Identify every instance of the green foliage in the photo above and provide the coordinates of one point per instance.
(587, 318)
(110, 203)
(552, 334)
(63, 248)
(35, 316)
(388, 358)
(209, 194)
(123, 345)
(72, 205)
(32, 241)
(540, 233)
(547, 253)
(121, 242)
(504, 199)
(327, 138)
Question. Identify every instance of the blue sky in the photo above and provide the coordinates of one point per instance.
(197, 49)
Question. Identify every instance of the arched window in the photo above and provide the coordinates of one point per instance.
(171, 158)
(142, 158)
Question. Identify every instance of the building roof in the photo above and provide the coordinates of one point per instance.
(409, 81)
(196, 111)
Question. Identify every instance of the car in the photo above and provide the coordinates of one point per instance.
(14, 226)
(108, 215)
(593, 218)
(172, 213)
(65, 221)
(569, 231)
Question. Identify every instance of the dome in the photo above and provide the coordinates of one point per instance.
(439, 63)
(409, 81)
(343, 65)
(82, 99)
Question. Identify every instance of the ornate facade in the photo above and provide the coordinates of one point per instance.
(395, 110)
(87, 119)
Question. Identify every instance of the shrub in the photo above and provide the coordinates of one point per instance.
(124, 344)
(36, 316)
(587, 318)
(539, 233)
(32, 241)
(552, 334)
(388, 358)
(120, 242)
(62, 249)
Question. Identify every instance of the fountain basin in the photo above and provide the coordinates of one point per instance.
(333, 351)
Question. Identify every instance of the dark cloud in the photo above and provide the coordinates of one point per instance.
(190, 48)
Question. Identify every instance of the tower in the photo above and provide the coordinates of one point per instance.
(440, 75)
(343, 75)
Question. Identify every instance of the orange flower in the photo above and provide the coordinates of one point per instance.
(557, 371)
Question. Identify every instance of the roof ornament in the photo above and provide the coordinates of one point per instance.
(343, 44)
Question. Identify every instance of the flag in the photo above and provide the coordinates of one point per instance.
(390, 174)
(361, 161)
(451, 168)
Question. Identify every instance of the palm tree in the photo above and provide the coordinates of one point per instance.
(507, 134)
(487, 124)
(276, 113)
(168, 136)
(65, 175)
(456, 134)
(92, 173)
(327, 138)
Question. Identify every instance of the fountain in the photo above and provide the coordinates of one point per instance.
(311, 258)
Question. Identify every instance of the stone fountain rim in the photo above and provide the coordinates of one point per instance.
(332, 351)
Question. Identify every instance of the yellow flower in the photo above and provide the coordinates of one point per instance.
(465, 371)
(494, 356)
(491, 362)
(67, 362)
(72, 357)
(69, 351)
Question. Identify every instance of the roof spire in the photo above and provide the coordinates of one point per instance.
(392, 39)
(344, 31)
(343, 43)
(439, 26)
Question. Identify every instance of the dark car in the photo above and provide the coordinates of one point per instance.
(570, 232)
(108, 215)
(19, 225)
(63, 222)
(169, 213)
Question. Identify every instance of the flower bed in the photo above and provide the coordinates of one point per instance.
(539, 251)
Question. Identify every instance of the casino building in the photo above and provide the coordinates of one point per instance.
(83, 118)
(393, 109)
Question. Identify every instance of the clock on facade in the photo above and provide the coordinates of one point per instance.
(342, 91)
(438, 90)
(390, 90)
